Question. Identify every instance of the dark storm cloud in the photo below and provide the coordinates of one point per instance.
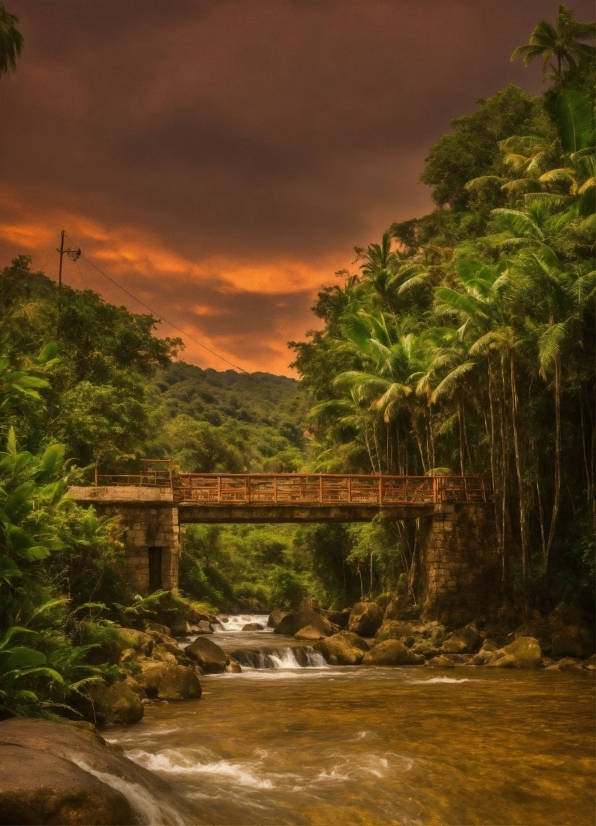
(263, 131)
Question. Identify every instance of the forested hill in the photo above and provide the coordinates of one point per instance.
(214, 396)
(227, 421)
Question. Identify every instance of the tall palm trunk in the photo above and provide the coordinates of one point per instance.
(557, 488)
(523, 527)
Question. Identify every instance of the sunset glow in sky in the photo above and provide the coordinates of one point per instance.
(221, 158)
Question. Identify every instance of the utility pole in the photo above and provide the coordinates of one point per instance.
(73, 255)
(61, 251)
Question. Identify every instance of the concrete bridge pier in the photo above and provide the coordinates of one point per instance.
(151, 532)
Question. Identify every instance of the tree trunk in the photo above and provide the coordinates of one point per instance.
(522, 508)
(557, 490)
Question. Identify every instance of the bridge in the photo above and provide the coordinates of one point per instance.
(156, 503)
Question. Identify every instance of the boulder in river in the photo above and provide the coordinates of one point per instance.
(208, 655)
(292, 623)
(201, 627)
(117, 703)
(572, 641)
(275, 617)
(233, 666)
(166, 681)
(441, 662)
(140, 641)
(253, 626)
(464, 641)
(309, 634)
(344, 648)
(365, 619)
(62, 774)
(339, 618)
(524, 652)
(391, 652)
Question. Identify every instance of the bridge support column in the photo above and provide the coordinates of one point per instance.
(151, 532)
(459, 563)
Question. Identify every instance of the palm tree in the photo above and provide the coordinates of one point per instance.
(11, 41)
(562, 44)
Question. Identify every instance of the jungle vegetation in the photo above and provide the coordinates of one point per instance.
(462, 342)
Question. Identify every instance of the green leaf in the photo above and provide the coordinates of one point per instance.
(575, 120)
(52, 458)
(35, 553)
(21, 657)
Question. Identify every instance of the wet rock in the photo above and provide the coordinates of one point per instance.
(292, 623)
(505, 661)
(441, 662)
(208, 655)
(253, 626)
(309, 634)
(460, 659)
(158, 628)
(482, 657)
(233, 666)
(392, 630)
(344, 648)
(573, 641)
(339, 618)
(492, 644)
(202, 627)
(36, 787)
(391, 652)
(365, 619)
(116, 703)
(401, 608)
(464, 641)
(525, 652)
(569, 664)
(426, 649)
(590, 663)
(140, 641)
(408, 641)
(275, 617)
(41, 784)
(164, 681)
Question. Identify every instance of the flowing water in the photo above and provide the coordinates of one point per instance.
(297, 742)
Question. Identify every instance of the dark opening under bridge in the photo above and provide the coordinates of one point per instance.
(456, 547)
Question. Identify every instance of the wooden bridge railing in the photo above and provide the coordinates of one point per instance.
(327, 489)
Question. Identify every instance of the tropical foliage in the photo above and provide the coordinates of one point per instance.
(465, 341)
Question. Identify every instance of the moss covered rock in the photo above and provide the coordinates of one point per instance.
(344, 648)
(391, 652)
(365, 619)
(464, 641)
(208, 655)
(393, 630)
(165, 681)
(116, 703)
(309, 634)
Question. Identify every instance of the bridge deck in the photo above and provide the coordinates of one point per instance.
(305, 488)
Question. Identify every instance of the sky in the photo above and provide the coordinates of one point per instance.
(220, 159)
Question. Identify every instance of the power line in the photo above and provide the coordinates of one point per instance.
(161, 317)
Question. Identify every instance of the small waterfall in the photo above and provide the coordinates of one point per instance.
(299, 657)
(148, 808)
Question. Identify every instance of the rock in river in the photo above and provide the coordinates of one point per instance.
(309, 634)
(292, 623)
(208, 655)
(253, 626)
(344, 648)
(117, 703)
(392, 652)
(60, 774)
(365, 619)
(524, 652)
(465, 641)
(275, 617)
(167, 681)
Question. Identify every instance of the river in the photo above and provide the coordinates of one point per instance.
(359, 745)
